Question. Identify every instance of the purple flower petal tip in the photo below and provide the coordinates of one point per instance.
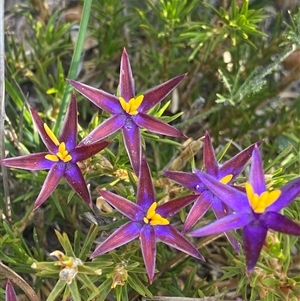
(10, 294)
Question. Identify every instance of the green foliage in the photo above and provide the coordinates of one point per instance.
(234, 62)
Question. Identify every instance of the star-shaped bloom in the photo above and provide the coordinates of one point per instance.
(256, 210)
(61, 158)
(148, 221)
(10, 294)
(129, 112)
(225, 174)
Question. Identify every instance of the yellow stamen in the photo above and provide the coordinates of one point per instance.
(132, 105)
(260, 203)
(51, 135)
(52, 158)
(62, 154)
(154, 218)
(226, 179)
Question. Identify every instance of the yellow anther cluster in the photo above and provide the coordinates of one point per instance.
(62, 153)
(260, 203)
(154, 218)
(132, 105)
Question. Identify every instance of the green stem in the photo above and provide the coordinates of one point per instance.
(75, 61)
(6, 197)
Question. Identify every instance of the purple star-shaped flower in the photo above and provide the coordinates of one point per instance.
(129, 112)
(256, 209)
(148, 222)
(225, 174)
(10, 294)
(62, 158)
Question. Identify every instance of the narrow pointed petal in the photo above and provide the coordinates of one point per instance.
(145, 191)
(126, 207)
(254, 237)
(157, 94)
(280, 223)
(172, 237)
(288, 193)
(236, 164)
(199, 208)
(53, 177)
(227, 223)
(69, 128)
(10, 294)
(188, 180)
(232, 197)
(105, 101)
(126, 83)
(83, 152)
(76, 180)
(132, 141)
(172, 207)
(155, 125)
(29, 162)
(221, 210)
(120, 237)
(257, 176)
(106, 128)
(209, 158)
(148, 245)
(39, 124)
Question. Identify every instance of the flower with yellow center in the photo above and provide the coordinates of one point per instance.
(255, 210)
(148, 222)
(61, 158)
(260, 203)
(132, 105)
(62, 153)
(129, 112)
(154, 218)
(224, 174)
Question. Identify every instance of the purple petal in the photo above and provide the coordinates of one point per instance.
(229, 222)
(172, 207)
(69, 128)
(30, 162)
(76, 180)
(257, 176)
(145, 191)
(254, 237)
(148, 245)
(172, 237)
(105, 101)
(237, 163)
(209, 158)
(155, 125)
(232, 197)
(81, 153)
(158, 93)
(288, 193)
(199, 208)
(132, 141)
(280, 223)
(39, 124)
(53, 177)
(221, 210)
(126, 207)
(10, 294)
(106, 128)
(188, 180)
(126, 83)
(123, 235)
